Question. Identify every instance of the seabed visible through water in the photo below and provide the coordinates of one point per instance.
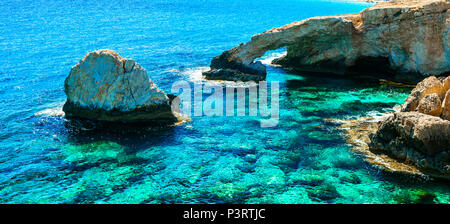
(304, 159)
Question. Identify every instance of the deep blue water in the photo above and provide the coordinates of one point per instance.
(207, 160)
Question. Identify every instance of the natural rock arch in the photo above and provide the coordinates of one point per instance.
(402, 36)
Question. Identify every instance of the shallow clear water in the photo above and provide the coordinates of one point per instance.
(207, 160)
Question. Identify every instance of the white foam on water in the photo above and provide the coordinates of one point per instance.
(374, 115)
(267, 60)
(377, 116)
(380, 116)
(195, 75)
(54, 110)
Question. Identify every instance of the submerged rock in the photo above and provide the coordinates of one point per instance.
(403, 38)
(412, 196)
(325, 192)
(224, 69)
(353, 179)
(105, 86)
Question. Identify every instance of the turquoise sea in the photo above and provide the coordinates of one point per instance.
(305, 159)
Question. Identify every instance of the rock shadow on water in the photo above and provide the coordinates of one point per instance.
(112, 98)
(345, 83)
(133, 136)
(368, 68)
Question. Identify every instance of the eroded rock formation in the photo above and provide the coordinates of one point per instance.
(428, 97)
(420, 133)
(107, 87)
(419, 139)
(396, 37)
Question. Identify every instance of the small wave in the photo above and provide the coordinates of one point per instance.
(195, 75)
(52, 111)
(267, 60)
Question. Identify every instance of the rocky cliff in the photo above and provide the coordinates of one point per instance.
(396, 38)
(420, 133)
(107, 87)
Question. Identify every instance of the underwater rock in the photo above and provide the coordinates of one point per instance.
(353, 179)
(415, 138)
(306, 179)
(415, 197)
(105, 86)
(325, 192)
(357, 134)
(430, 96)
(402, 38)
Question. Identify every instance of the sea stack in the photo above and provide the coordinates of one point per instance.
(404, 40)
(105, 86)
(420, 133)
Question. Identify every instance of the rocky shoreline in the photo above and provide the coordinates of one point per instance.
(357, 133)
(410, 140)
(396, 38)
(400, 40)
(417, 139)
